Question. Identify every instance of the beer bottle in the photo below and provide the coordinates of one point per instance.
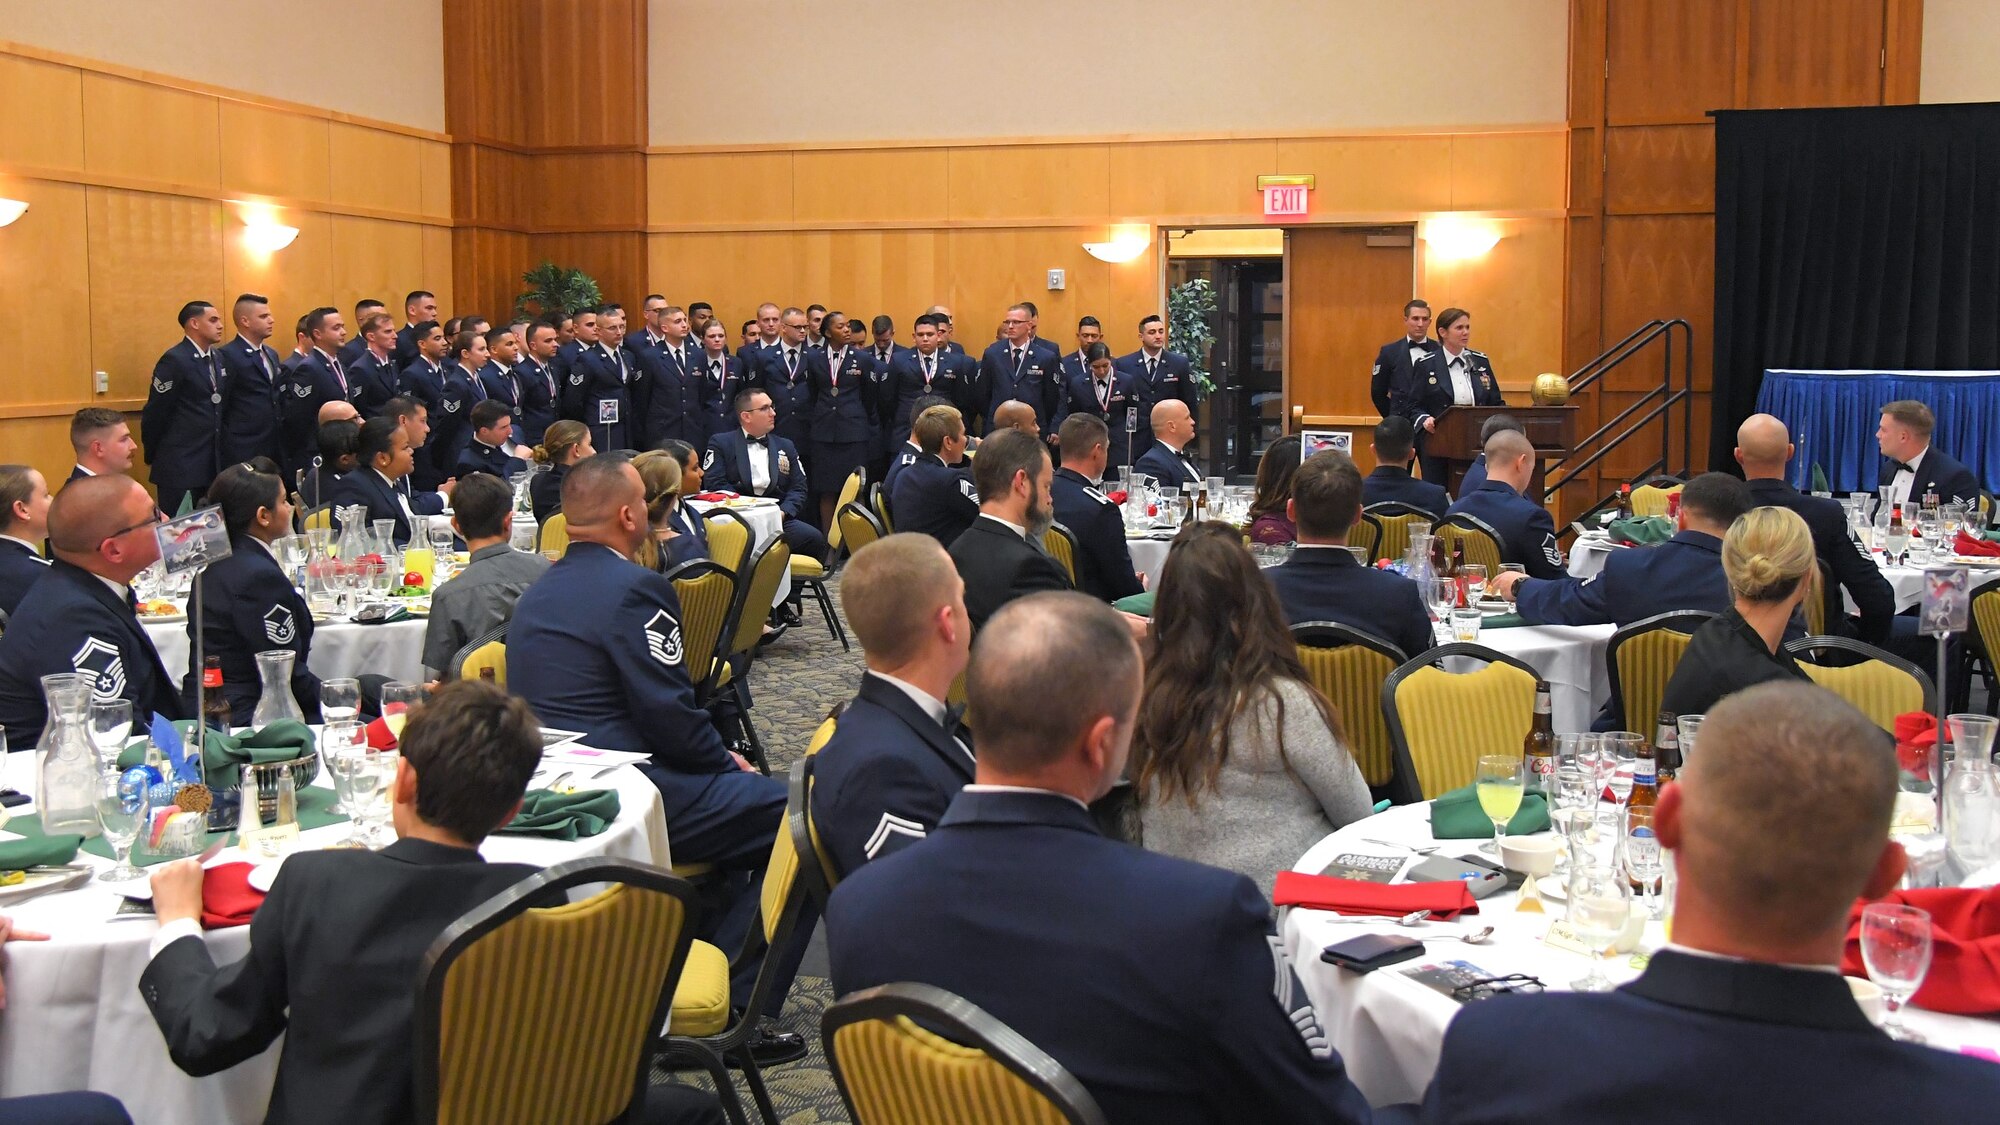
(1625, 501)
(486, 675)
(1539, 747)
(1645, 779)
(214, 705)
(1667, 747)
(1440, 558)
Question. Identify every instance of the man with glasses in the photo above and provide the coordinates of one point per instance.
(81, 618)
(753, 461)
(1022, 367)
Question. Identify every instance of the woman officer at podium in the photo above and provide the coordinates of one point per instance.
(1453, 375)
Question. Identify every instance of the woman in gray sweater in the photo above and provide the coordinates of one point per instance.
(1237, 760)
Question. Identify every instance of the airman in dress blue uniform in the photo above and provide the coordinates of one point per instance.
(1103, 562)
(1526, 531)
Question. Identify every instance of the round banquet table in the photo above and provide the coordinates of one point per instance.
(1389, 1028)
(767, 522)
(1589, 552)
(339, 648)
(1570, 657)
(74, 1018)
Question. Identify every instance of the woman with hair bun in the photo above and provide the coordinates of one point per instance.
(251, 605)
(1769, 562)
(564, 444)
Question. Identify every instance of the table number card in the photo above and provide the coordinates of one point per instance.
(1945, 605)
(193, 541)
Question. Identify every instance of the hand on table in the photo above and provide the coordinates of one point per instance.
(9, 932)
(177, 890)
(1504, 583)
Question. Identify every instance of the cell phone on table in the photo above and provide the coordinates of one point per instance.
(1370, 952)
(12, 797)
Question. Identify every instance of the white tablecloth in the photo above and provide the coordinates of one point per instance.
(767, 522)
(74, 1019)
(1148, 556)
(1587, 558)
(1389, 1029)
(340, 648)
(1570, 658)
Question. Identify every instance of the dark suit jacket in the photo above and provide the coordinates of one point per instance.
(1393, 368)
(181, 425)
(681, 402)
(249, 402)
(931, 498)
(1173, 376)
(1103, 562)
(75, 623)
(1852, 569)
(1394, 484)
(1684, 573)
(1326, 584)
(727, 468)
(953, 376)
(312, 385)
(1939, 472)
(1037, 383)
(20, 568)
(885, 778)
(1168, 467)
(375, 382)
(1154, 980)
(366, 487)
(406, 346)
(999, 566)
(1698, 1039)
(1428, 394)
(718, 394)
(790, 390)
(252, 607)
(538, 399)
(1527, 531)
(1126, 393)
(334, 954)
(841, 405)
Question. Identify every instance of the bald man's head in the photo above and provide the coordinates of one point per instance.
(1763, 446)
(105, 525)
(1510, 457)
(1172, 423)
(1046, 671)
(604, 502)
(338, 410)
(1016, 415)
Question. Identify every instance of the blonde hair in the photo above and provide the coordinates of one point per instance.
(561, 437)
(661, 474)
(1767, 553)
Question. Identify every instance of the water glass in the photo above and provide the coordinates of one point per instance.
(1474, 577)
(1621, 750)
(1599, 905)
(1502, 780)
(1690, 725)
(1896, 948)
(1643, 860)
(122, 810)
(397, 699)
(354, 784)
(339, 700)
(381, 766)
(335, 738)
(1465, 625)
(110, 730)
(1444, 596)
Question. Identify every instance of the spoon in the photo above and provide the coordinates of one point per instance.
(1479, 936)
(1414, 917)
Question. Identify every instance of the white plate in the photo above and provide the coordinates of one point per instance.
(163, 618)
(33, 884)
(1553, 887)
(1495, 605)
(262, 875)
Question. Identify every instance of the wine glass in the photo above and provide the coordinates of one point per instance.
(1501, 782)
(397, 699)
(1444, 595)
(362, 783)
(1690, 726)
(381, 767)
(1576, 797)
(1599, 905)
(339, 700)
(1621, 755)
(1642, 858)
(1475, 582)
(121, 809)
(1895, 541)
(1896, 948)
(110, 730)
(338, 741)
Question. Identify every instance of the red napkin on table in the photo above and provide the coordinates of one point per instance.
(1965, 947)
(713, 497)
(1445, 900)
(1916, 734)
(379, 737)
(227, 898)
(1967, 545)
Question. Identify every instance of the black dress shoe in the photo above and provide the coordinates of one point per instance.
(786, 615)
(769, 1047)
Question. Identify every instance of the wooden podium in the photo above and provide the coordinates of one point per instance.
(1551, 429)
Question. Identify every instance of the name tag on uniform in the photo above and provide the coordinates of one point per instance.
(607, 411)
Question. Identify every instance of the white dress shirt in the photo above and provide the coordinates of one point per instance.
(409, 516)
(1459, 367)
(760, 464)
(1013, 527)
(1906, 478)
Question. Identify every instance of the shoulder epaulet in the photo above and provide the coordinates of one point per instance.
(1477, 352)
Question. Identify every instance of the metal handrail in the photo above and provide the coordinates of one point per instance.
(1663, 399)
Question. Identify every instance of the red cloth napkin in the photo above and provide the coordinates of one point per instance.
(227, 898)
(1445, 901)
(713, 497)
(379, 737)
(1916, 735)
(1965, 947)
(1967, 545)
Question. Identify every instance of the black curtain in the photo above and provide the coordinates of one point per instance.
(1863, 238)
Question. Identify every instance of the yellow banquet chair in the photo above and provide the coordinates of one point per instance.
(487, 650)
(729, 538)
(1650, 498)
(858, 527)
(1348, 666)
(1442, 722)
(1879, 684)
(1641, 658)
(1396, 520)
(706, 590)
(553, 535)
(1481, 542)
(1060, 543)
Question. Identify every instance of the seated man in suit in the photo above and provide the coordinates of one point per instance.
(377, 485)
(492, 429)
(80, 618)
(1920, 469)
(1526, 531)
(1322, 581)
(1168, 460)
(1764, 448)
(931, 497)
(1777, 826)
(481, 595)
(336, 948)
(906, 454)
(751, 460)
(898, 755)
(1016, 883)
(102, 441)
(1103, 562)
(24, 523)
(1475, 473)
(1398, 360)
(1000, 556)
(1395, 445)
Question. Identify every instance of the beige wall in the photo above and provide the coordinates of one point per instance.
(375, 58)
(1148, 66)
(1961, 38)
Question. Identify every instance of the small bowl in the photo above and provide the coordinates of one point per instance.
(1868, 995)
(1533, 856)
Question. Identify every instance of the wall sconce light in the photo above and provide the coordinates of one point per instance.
(11, 209)
(1453, 238)
(266, 237)
(1126, 244)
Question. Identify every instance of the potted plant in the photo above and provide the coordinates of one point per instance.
(554, 288)
(1190, 320)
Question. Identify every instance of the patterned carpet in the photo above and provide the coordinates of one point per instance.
(793, 683)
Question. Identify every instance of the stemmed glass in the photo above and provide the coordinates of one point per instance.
(339, 700)
(1444, 596)
(1501, 781)
(1894, 542)
(1690, 726)
(1642, 858)
(1896, 948)
(340, 746)
(397, 699)
(121, 810)
(1576, 798)
(381, 767)
(356, 781)
(1475, 582)
(1620, 750)
(110, 730)
(1599, 904)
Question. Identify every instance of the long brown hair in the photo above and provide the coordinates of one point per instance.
(1218, 645)
(1274, 477)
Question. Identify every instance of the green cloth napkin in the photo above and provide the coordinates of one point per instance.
(281, 741)
(564, 816)
(1457, 816)
(1140, 604)
(1643, 530)
(38, 851)
(1502, 621)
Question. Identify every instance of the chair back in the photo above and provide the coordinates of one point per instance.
(1642, 657)
(1986, 626)
(1442, 722)
(553, 534)
(1348, 666)
(1396, 519)
(1481, 542)
(816, 867)
(1650, 498)
(912, 1054)
(850, 489)
(858, 527)
(768, 568)
(1060, 543)
(1879, 684)
(1367, 534)
(707, 591)
(320, 518)
(1822, 604)
(729, 538)
(879, 501)
(487, 650)
(496, 1042)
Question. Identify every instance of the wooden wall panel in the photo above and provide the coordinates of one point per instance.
(1843, 66)
(149, 254)
(1372, 174)
(54, 139)
(1512, 293)
(1030, 182)
(370, 168)
(694, 189)
(1667, 60)
(584, 71)
(297, 279)
(379, 259)
(1660, 169)
(437, 274)
(45, 280)
(1508, 171)
(1192, 178)
(584, 189)
(153, 133)
(862, 186)
(266, 152)
(1343, 296)
(1660, 266)
(434, 175)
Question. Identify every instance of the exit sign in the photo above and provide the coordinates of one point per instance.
(1285, 197)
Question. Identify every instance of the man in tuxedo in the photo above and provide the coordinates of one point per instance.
(81, 619)
(679, 406)
(419, 307)
(250, 375)
(928, 370)
(24, 523)
(336, 947)
(1916, 467)
(1394, 444)
(101, 438)
(1000, 556)
(350, 352)
(181, 424)
(537, 377)
(1168, 460)
(1103, 563)
(751, 460)
(1764, 447)
(386, 460)
(1398, 360)
(1023, 367)
(931, 497)
(1454, 375)
(372, 366)
(318, 378)
(1016, 879)
(1161, 374)
(898, 755)
(1322, 581)
(1777, 827)
(781, 372)
(1526, 532)
(451, 425)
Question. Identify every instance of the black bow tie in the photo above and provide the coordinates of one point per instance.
(757, 441)
(1901, 466)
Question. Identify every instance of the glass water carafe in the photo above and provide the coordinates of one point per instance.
(66, 796)
(275, 701)
(353, 542)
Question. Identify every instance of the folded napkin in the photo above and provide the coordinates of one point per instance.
(1978, 548)
(1457, 816)
(1445, 900)
(713, 497)
(38, 851)
(227, 898)
(1140, 603)
(1965, 947)
(380, 737)
(1642, 530)
(564, 816)
(1916, 735)
(281, 741)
